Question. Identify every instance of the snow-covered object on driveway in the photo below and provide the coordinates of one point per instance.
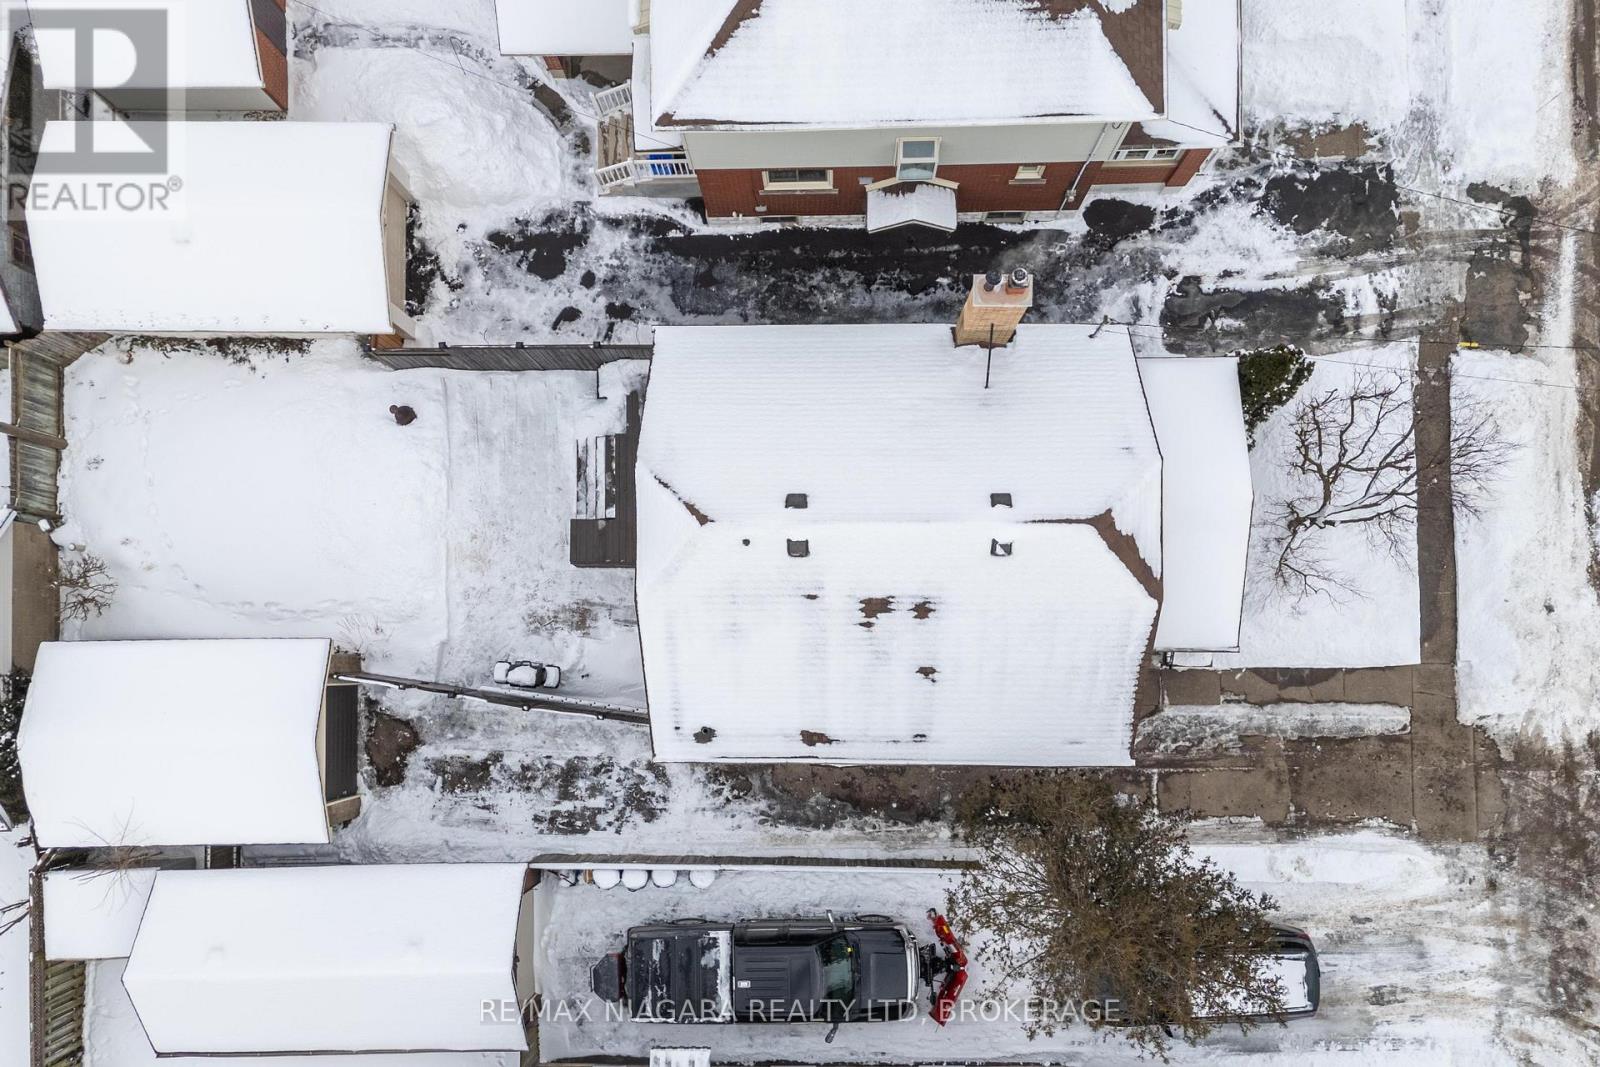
(147, 743)
(527, 675)
(1206, 500)
(850, 550)
(251, 228)
(332, 959)
(221, 55)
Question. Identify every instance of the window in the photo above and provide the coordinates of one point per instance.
(916, 160)
(794, 179)
(1030, 172)
(1014, 217)
(1145, 153)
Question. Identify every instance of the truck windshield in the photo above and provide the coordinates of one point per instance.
(838, 969)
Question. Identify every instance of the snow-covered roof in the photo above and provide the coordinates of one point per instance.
(911, 203)
(210, 44)
(175, 743)
(1202, 76)
(565, 27)
(93, 913)
(329, 959)
(895, 62)
(1206, 499)
(904, 614)
(268, 227)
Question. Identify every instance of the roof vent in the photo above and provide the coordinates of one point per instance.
(795, 500)
(799, 548)
(996, 548)
(999, 500)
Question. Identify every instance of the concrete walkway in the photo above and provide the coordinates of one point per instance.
(1441, 777)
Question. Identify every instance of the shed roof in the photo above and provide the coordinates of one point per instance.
(1206, 499)
(267, 227)
(329, 959)
(895, 62)
(210, 44)
(565, 27)
(175, 743)
(903, 616)
(93, 913)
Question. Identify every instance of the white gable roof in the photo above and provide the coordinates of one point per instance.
(878, 644)
(94, 913)
(329, 959)
(888, 62)
(175, 743)
(565, 27)
(210, 44)
(1206, 499)
(275, 227)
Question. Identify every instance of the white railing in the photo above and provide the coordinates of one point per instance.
(617, 98)
(643, 171)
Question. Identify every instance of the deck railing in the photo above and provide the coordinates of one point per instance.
(618, 98)
(643, 171)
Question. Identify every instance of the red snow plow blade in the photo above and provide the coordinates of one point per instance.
(947, 969)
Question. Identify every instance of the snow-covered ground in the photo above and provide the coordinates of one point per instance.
(1483, 80)
(1372, 619)
(1417, 961)
(276, 496)
(1530, 617)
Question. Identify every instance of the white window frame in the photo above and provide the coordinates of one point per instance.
(770, 186)
(1146, 154)
(920, 162)
(1029, 172)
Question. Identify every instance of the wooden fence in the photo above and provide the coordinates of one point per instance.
(37, 425)
(508, 357)
(56, 993)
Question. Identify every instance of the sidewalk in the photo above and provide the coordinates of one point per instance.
(1441, 778)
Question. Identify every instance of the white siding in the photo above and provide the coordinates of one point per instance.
(1022, 143)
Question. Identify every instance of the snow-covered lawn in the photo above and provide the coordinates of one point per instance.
(276, 496)
(1481, 82)
(1373, 620)
(1415, 963)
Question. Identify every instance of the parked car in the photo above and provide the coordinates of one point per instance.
(524, 674)
(861, 969)
(1293, 961)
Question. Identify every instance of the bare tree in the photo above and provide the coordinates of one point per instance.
(85, 586)
(1355, 458)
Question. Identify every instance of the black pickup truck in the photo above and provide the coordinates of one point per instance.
(859, 969)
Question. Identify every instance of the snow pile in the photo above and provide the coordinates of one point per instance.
(1373, 621)
(1189, 730)
(861, 68)
(473, 145)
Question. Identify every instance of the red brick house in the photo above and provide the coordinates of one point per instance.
(896, 112)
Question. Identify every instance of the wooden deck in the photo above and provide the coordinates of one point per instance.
(606, 531)
(616, 138)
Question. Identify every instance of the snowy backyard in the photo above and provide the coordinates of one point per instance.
(1412, 208)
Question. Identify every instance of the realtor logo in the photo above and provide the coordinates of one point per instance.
(112, 50)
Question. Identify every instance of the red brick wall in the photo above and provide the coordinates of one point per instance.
(983, 187)
(274, 70)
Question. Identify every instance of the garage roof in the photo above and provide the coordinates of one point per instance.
(329, 959)
(175, 743)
